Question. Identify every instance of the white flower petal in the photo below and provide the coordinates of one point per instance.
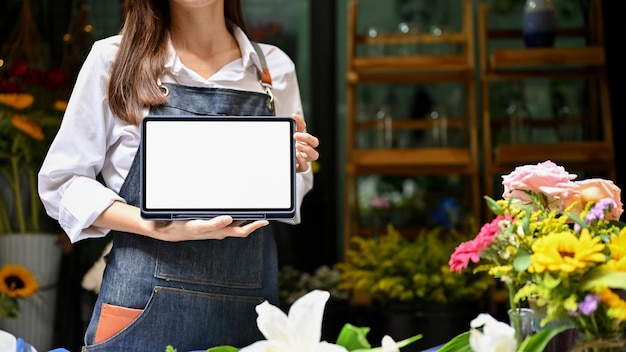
(305, 317)
(389, 345)
(300, 330)
(272, 322)
(495, 336)
(329, 347)
(481, 320)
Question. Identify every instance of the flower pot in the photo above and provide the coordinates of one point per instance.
(41, 254)
(539, 23)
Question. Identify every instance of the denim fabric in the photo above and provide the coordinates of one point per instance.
(194, 294)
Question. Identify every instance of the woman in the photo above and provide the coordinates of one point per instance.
(190, 284)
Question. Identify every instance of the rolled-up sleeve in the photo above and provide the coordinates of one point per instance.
(67, 181)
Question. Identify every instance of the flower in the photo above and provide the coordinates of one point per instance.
(556, 241)
(15, 282)
(495, 336)
(299, 331)
(30, 113)
(552, 182)
(595, 190)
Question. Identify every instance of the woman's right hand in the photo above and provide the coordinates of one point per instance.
(127, 218)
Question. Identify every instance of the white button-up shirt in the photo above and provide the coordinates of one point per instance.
(93, 141)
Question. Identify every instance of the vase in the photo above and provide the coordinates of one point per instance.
(539, 23)
(526, 319)
(41, 254)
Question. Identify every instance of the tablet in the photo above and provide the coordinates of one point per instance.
(199, 167)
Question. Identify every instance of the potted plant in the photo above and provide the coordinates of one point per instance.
(410, 286)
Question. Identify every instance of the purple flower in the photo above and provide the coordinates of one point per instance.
(599, 209)
(589, 305)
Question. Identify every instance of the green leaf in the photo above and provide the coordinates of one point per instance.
(576, 219)
(459, 343)
(526, 219)
(170, 348)
(522, 261)
(494, 206)
(222, 349)
(538, 341)
(352, 337)
(604, 278)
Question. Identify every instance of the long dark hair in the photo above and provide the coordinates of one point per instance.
(142, 54)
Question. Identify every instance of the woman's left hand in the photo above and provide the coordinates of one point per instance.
(305, 145)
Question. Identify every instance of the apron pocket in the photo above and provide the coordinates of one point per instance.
(226, 320)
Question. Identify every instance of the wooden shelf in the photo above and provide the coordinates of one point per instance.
(552, 58)
(458, 67)
(574, 152)
(411, 63)
(553, 63)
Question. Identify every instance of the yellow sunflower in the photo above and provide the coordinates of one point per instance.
(17, 281)
(618, 245)
(617, 306)
(564, 252)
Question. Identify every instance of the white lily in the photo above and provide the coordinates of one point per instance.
(300, 331)
(495, 336)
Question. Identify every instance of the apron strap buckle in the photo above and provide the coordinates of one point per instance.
(268, 90)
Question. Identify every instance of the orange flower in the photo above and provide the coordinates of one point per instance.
(17, 101)
(28, 126)
(60, 105)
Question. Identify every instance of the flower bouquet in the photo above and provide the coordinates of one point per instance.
(556, 242)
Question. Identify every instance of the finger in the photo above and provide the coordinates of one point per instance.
(307, 152)
(253, 226)
(301, 163)
(213, 224)
(300, 123)
(305, 138)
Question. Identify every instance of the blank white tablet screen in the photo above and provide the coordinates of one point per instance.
(218, 164)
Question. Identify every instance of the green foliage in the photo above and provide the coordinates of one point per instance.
(395, 269)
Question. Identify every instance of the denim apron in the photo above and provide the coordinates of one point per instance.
(194, 294)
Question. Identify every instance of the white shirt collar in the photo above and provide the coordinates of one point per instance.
(248, 55)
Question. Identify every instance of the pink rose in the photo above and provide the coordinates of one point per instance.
(593, 190)
(545, 178)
